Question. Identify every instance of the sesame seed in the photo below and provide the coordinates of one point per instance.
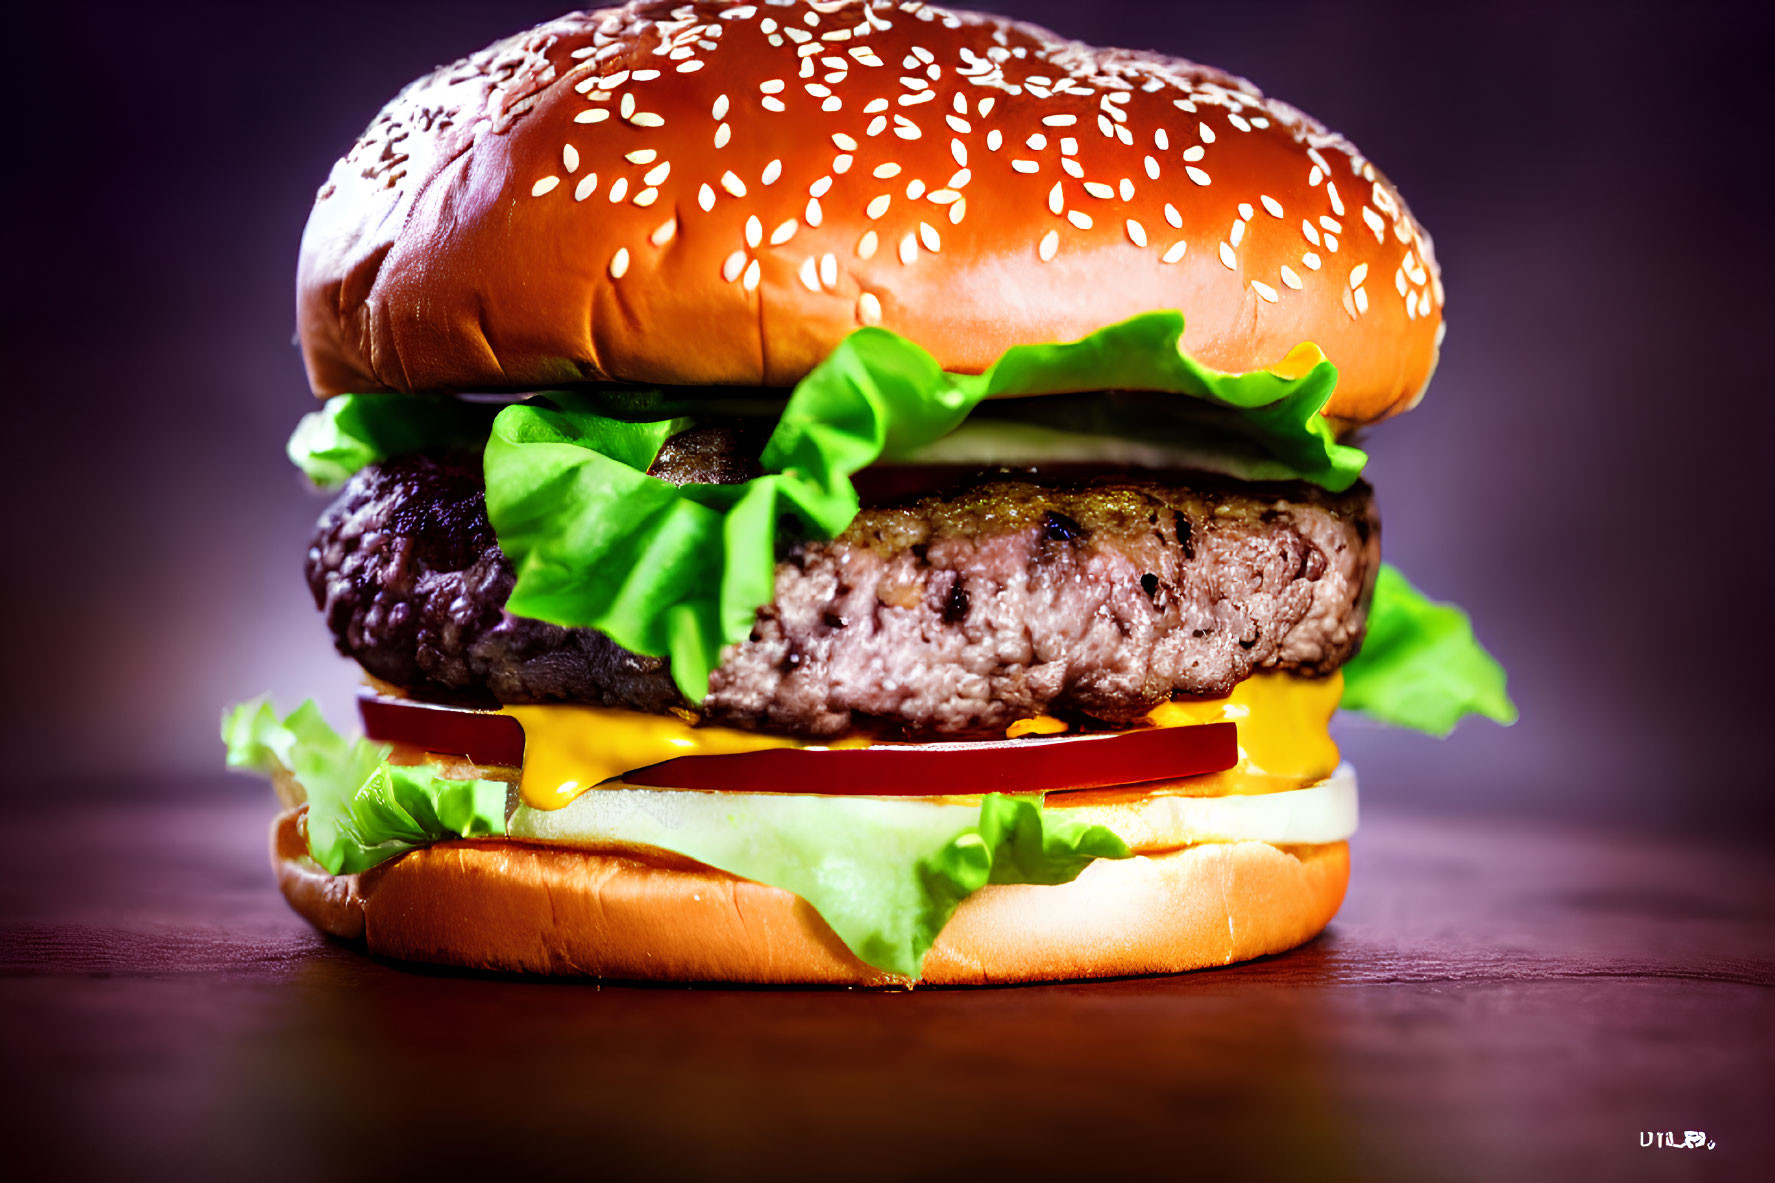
(663, 233)
(841, 163)
(1176, 251)
(750, 281)
(1291, 277)
(658, 174)
(1309, 232)
(1152, 169)
(1049, 246)
(956, 123)
(909, 248)
(810, 278)
(774, 86)
(772, 103)
(619, 263)
(1205, 132)
(754, 231)
(1079, 218)
(1060, 120)
(1161, 141)
(733, 184)
(784, 232)
(1314, 177)
(1197, 175)
(927, 234)
(994, 139)
(869, 309)
(1358, 273)
(570, 157)
(813, 214)
(1399, 281)
(960, 178)
(1068, 146)
(619, 189)
(875, 106)
(1263, 289)
(1227, 257)
(645, 75)
(845, 143)
(719, 110)
(1099, 190)
(647, 119)
(647, 197)
(959, 150)
(641, 156)
(879, 205)
(1126, 189)
(595, 115)
(705, 197)
(1337, 206)
(689, 67)
(1331, 243)
(771, 172)
(1025, 166)
(733, 265)
(1271, 205)
(1238, 231)
(905, 129)
(958, 211)
(984, 107)
(1362, 299)
(723, 133)
(1238, 121)
(1194, 152)
(820, 187)
(1374, 223)
(1136, 232)
(867, 245)
(1245, 210)
(914, 189)
(544, 186)
(829, 269)
(883, 172)
(876, 126)
(1105, 126)
(1056, 200)
(1311, 260)
(1071, 168)
(1331, 224)
(586, 185)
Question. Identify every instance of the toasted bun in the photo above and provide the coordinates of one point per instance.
(509, 906)
(709, 193)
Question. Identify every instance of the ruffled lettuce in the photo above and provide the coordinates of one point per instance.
(357, 430)
(361, 809)
(681, 571)
(885, 874)
(1420, 665)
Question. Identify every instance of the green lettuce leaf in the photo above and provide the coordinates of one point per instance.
(885, 874)
(353, 431)
(681, 571)
(1420, 666)
(361, 809)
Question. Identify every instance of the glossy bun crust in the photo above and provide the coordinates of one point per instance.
(718, 193)
(508, 906)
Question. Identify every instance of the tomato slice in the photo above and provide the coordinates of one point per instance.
(1029, 765)
(960, 769)
(486, 737)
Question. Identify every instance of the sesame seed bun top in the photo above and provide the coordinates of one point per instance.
(717, 193)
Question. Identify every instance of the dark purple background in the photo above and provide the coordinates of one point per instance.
(1588, 474)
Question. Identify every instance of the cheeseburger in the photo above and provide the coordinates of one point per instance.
(848, 493)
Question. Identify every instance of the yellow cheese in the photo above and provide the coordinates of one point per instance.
(1282, 720)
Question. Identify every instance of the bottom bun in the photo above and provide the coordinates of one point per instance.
(497, 905)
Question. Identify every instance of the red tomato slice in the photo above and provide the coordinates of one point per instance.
(1031, 765)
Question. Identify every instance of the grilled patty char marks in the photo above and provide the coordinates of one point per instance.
(951, 615)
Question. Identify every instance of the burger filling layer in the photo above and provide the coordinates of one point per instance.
(952, 614)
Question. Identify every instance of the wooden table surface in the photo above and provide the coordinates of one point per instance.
(1496, 1001)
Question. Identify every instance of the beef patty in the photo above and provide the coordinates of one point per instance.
(944, 615)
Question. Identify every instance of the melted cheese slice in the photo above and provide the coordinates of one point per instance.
(1284, 743)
